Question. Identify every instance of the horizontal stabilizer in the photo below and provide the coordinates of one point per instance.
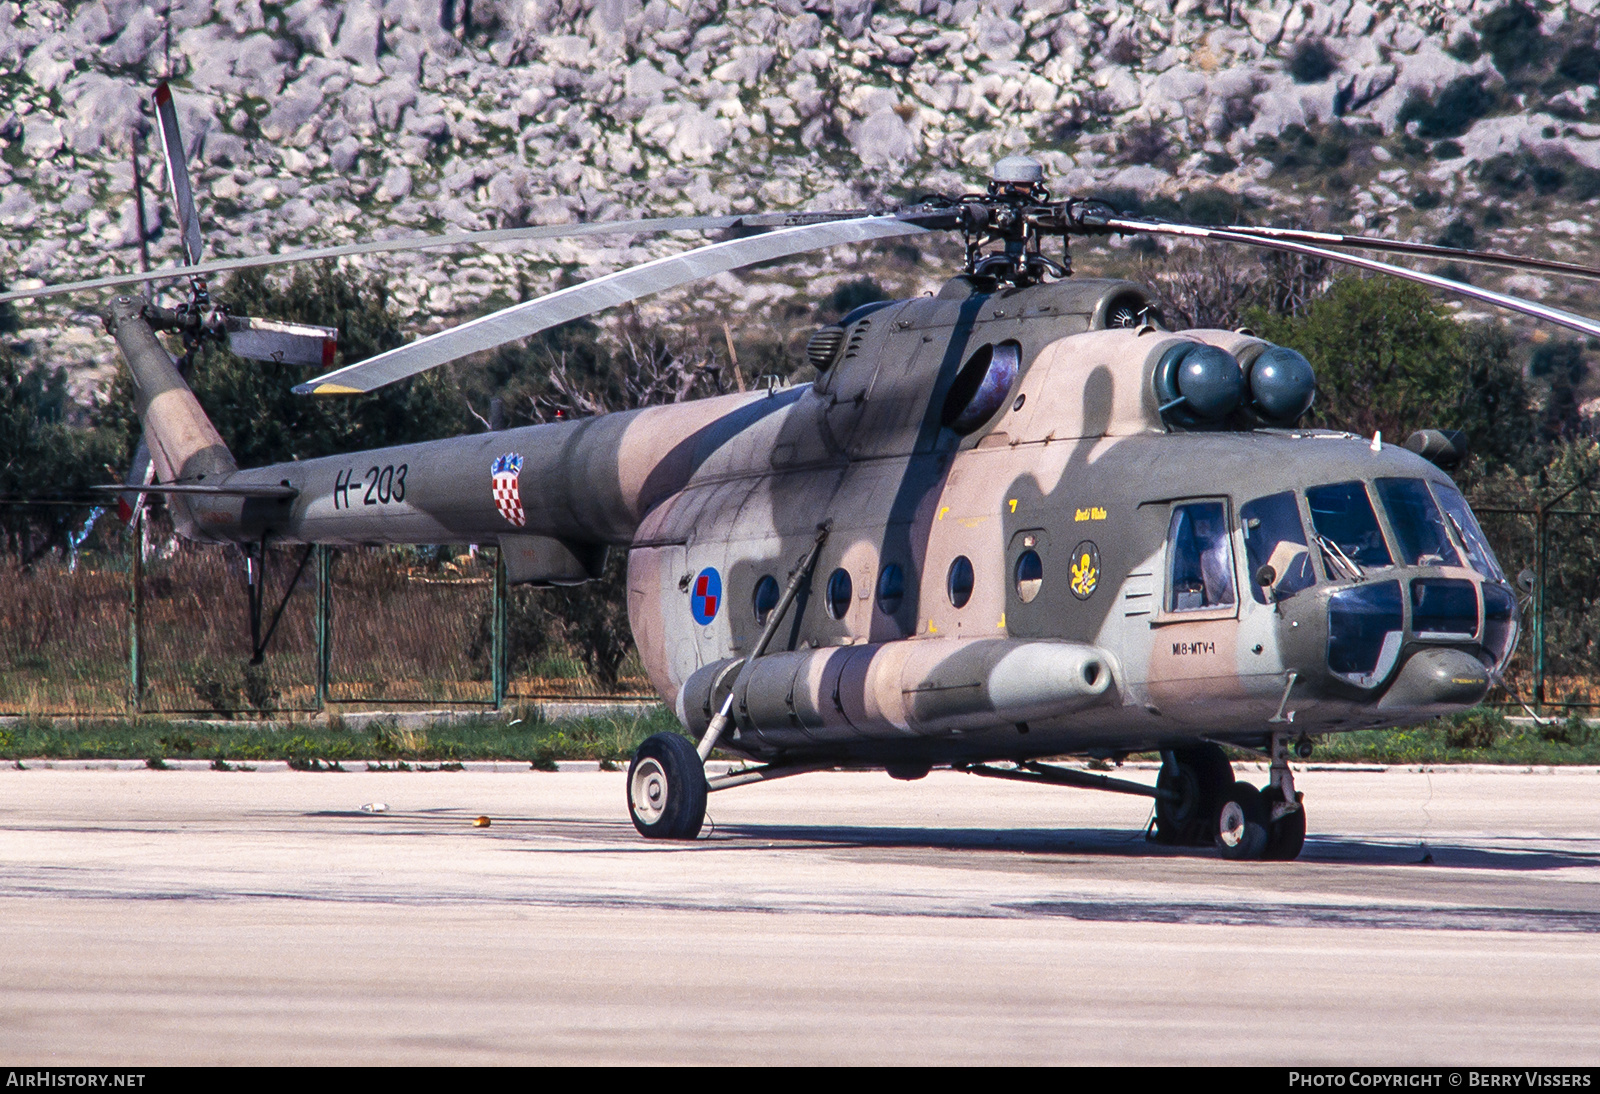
(285, 343)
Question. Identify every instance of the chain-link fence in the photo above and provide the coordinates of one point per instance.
(156, 624)
(1550, 555)
(149, 622)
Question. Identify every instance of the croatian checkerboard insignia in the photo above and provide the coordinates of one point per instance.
(505, 472)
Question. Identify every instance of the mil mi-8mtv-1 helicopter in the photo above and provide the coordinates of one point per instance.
(1014, 520)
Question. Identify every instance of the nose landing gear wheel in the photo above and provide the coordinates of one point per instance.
(1241, 827)
(1286, 835)
(667, 788)
(1199, 777)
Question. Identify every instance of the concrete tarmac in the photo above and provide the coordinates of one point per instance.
(164, 917)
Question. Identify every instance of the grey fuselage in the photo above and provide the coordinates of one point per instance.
(1074, 463)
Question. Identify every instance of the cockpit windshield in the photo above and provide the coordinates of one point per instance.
(1465, 526)
(1346, 530)
(1418, 525)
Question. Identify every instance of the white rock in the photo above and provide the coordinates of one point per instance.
(50, 62)
(298, 104)
(745, 65)
(137, 39)
(641, 79)
(342, 156)
(361, 33)
(102, 112)
(1122, 88)
(314, 25)
(567, 49)
(41, 138)
(396, 184)
(1266, 23)
(882, 139)
(803, 32)
(999, 39)
(698, 135)
(1407, 36)
(17, 206)
(852, 17)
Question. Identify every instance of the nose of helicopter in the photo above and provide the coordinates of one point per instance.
(1437, 677)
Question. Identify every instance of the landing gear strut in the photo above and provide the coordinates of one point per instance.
(1286, 823)
(1263, 824)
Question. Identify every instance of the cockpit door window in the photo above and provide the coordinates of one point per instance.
(1200, 558)
(1274, 536)
(1467, 531)
(1419, 527)
(1347, 530)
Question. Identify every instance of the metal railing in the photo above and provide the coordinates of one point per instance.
(135, 626)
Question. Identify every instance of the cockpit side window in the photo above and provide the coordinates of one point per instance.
(1200, 558)
(1466, 528)
(1346, 529)
(1419, 527)
(1274, 536)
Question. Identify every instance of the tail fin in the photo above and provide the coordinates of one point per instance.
(184, 446)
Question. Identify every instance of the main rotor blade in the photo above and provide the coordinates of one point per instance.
(533, 316)
(423, 243)
(178, 174)
(285, 343)
(1225, 235)
(1422, 250)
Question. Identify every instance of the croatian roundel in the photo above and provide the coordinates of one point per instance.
(706, 595)
(504, 473)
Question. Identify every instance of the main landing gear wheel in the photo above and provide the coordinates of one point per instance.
(1241, 828)
(1199, 777)
(667, 788)
(1286, 835)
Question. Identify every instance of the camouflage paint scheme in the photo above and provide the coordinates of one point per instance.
(1076, 451)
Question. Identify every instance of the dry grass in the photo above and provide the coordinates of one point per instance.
(402, 632)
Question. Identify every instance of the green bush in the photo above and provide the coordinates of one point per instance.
(1460, 103)
(1312, 61)
(1580, 64)
(852, 294)
(1511, 35)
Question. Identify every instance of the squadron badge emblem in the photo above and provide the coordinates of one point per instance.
(505, 472)
(1085, 569)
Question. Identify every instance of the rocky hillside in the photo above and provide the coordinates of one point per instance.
(319, 121)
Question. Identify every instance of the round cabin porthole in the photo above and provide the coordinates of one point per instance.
(891, 589)
(959, 583)
(839, 590)
(1029, 576)
(765, 598)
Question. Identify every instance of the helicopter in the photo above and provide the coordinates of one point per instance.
(1014, 520)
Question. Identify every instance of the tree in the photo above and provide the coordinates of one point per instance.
(252, 404)
(44, 457)
(1389, 358)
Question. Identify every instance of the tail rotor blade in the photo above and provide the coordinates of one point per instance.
(140, 473)
(178, 174)
(286, 343)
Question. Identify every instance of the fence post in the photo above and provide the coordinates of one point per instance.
(1541, 553)
(135, 611)
(324, 622)
(498, 644)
